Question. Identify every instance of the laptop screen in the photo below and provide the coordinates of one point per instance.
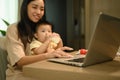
(105, 41)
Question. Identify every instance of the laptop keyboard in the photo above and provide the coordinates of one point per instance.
(77, 60)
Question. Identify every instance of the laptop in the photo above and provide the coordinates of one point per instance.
(103, 46)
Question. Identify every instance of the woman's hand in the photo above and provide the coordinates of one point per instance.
(59, 53)
(65, 48)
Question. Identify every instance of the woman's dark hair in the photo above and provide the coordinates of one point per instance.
(26, 27)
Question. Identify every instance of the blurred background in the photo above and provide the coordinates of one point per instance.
(74, 20)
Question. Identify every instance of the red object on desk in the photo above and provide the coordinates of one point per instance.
(83, 51)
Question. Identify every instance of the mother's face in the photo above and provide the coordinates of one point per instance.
(35, 10)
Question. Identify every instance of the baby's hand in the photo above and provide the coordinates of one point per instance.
(55, 38)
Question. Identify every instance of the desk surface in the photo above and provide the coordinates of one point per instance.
(45, 70)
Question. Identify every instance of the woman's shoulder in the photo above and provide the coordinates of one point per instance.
(12, 26)
(12, 29)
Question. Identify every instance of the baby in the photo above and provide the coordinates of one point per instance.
(45, 40)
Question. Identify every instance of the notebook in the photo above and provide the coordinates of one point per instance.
(103, 46)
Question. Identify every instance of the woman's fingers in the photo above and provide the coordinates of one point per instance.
(61, 53)
(65, 48)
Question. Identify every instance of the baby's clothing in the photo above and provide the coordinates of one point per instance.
(35, 43)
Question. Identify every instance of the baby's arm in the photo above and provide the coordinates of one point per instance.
(42, 48)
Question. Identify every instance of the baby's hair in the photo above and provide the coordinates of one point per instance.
(44, 23)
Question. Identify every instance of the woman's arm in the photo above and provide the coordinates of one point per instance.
(31, 59)
(34, 58)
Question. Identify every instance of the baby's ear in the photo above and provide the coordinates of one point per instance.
(36, 36)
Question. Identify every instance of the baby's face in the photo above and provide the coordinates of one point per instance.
(43, 33)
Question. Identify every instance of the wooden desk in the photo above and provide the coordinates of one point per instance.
(45, 70)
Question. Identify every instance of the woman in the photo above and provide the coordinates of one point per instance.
(19, 35)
